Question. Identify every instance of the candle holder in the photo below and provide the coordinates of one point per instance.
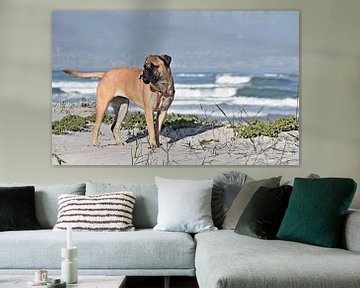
(68, 265)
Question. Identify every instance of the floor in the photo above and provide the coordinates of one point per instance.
(158, 282)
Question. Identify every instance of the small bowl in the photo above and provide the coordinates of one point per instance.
(56, 283)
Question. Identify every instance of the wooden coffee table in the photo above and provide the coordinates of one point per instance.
(83, 282)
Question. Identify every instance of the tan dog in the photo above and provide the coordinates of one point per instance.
(151, 89)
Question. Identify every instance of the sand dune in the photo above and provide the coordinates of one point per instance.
(191, 146)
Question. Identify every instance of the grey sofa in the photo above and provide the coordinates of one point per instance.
(142, 252)
(218, 259)
(226, 259)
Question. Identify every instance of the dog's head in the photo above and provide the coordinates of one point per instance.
(155, 67)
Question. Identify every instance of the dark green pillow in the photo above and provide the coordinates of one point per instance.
(263, 214)
(316, 211)
(17, 208)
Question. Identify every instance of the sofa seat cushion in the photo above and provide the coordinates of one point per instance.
(142, 249)
(226, 259)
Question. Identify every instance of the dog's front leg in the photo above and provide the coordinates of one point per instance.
(159, 122)
(150, 126)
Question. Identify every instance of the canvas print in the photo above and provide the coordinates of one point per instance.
(175, 88)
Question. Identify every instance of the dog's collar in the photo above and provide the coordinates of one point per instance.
(160, 94)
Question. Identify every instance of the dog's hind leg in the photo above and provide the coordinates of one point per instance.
(101, 106)
(100, 111)
(105, 93)
(122, 105)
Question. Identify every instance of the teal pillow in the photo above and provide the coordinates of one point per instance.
(316, 211)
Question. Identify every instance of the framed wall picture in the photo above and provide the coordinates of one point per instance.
(223, 86)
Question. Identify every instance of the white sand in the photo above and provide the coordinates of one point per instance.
(196, 146)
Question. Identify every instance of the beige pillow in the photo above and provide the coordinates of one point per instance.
(243, 198)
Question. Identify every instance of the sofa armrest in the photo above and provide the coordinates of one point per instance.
(351, 234)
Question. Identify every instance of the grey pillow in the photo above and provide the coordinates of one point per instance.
(243, 198)
(310, 176)
(46, 200)
(184, 205)
(226, 187)
(146, 206)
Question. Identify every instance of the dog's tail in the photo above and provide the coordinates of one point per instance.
(84, 74)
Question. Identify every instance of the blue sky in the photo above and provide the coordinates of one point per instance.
(201, 41)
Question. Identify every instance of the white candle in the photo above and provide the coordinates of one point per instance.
(69, 237)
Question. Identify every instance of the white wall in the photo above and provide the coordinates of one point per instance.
(330, 91)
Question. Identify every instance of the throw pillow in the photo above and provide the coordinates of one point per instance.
(311, 175)
(316, 211)
(263, 215)
(46, 201)
(17, 209)
(243, 198)
(146, 205)
(184, 205)
(226, 187)
(106, 212)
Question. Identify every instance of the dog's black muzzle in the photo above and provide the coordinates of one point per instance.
(149, 76)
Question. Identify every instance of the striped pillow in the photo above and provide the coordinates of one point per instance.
(105, 212)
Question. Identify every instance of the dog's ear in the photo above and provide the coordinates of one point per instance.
(166, 59)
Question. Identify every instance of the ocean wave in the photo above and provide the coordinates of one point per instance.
(287, 102)
(70, 84)
(84, 91)
(56, 91)
(74, 96)
(231, 79)
(239, 101)
(75, 87)
(191, 93)
(204, 101)
(270, 81)
(191, 75)
(266, 92)
(271, 93)
(272, 75)
(198, 86)
(276, 75)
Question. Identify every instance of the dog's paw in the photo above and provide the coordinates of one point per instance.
(153, 145)
(120, 143)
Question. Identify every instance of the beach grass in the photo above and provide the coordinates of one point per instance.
(255, 127)
(75, 123)
(136, 120)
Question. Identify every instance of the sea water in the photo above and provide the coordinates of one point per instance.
(217, 95)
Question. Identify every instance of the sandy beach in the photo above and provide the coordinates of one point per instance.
(202, 145)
